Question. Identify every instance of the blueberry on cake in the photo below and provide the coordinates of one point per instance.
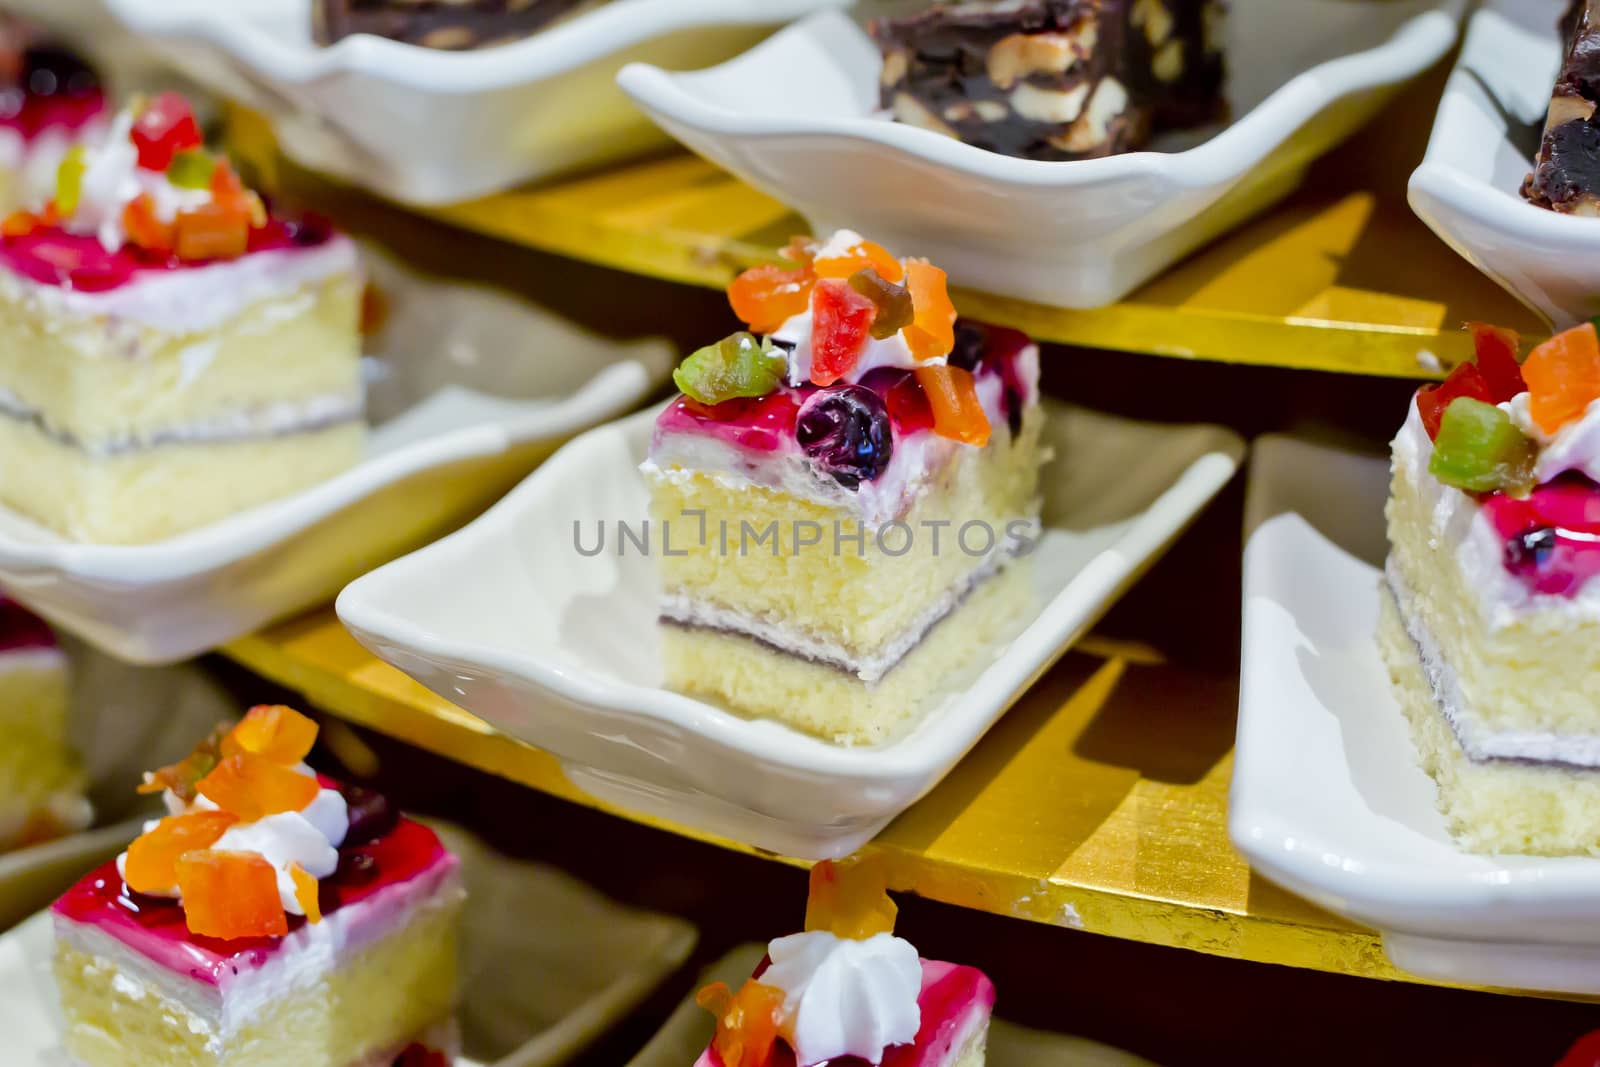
(273, 919)
(170, 352)
(1491, 611)
(1055, 79)
(41, 782)
(848, 993)
(845, 487)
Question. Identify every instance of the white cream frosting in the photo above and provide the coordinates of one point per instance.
(845, 997)
(309, 838)
(1574, 447)
(1461, 526)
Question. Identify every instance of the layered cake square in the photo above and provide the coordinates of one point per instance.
(273, 919)
(1055, 79)
(1566, 176)
(848, 993)
(846, 493)
(1491, 611)
(170, 352)
(41, 781)
(454, 25)
(51, 101)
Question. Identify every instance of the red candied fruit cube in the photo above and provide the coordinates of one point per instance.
(908, 405)
(1497, 360)
(1465, 380)
(841, 321)
(163, 129)
(1585, 1052)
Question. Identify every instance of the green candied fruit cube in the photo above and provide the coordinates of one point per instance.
(736, 366)
(1480, 449)
(192, 169)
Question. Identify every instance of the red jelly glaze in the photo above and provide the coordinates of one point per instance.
(30, 114)
(949, 992)
(1560, 509)
(156, 927)
(53, 256)
(21, 629)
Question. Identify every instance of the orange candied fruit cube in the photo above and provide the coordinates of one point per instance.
(953, 396)
(230, 895)
(145, 228)
(932, 332)
(212, 231)
(253, 787)
(765, 297)
(274, 732)
(1563, 377)
(152, 865)
(306, 893)
(20, 224)
(860, 257)
(850, 899)
(749, 1022)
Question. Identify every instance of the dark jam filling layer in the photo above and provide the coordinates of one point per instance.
(79, 262)
(381, 850)
(20, 629)
(1552, 536)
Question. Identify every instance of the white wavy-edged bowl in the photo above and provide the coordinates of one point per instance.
(473, 388)
(424, 126)
(512, 621)
(798, 118)
(1485, 137)
(1328, 799)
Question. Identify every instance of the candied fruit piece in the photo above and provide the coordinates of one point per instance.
(69, 180)
(184, 776)
(767, 296)
(1465, 380)
(164, 128)
(20, 224)
(230, 895)
(894, 302)
(1563, 377)
(253, 787)
(1496, 358)
(307, 893)
(274, 732)
(841, 322)
(229, 193)
(736, 366)
(152, 865)
(1480, 449)
(801, 250)
(212, 231)
(953, 396)
(1585, 1052)
(850, 899)
(864, 255)
(749, 1022)
(192, 168)
(932, 332)
(145, 228)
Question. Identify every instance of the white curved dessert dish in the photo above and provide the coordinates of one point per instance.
(797, 118)
(454, 125)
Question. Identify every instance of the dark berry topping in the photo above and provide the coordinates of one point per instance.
(971, 341)
(845, 430)
(355, 868)
(49, 70)
(1530, 551)
(1013, 411)
(371, 814)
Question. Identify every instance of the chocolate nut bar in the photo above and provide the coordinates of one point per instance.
(1566, 176)
(1054, 79)
(447, 24)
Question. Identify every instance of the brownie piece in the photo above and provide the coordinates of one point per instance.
(1055, 79)
(447, 24)
(1566, 176)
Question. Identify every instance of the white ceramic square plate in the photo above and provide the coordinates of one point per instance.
(798, 117)
(547, 966)
(509, 619)
(1328, 799)
(426, 126)
(687, 1033)
(1485, 138)
(471, 388)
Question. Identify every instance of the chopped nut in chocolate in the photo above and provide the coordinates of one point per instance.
(1566, 176)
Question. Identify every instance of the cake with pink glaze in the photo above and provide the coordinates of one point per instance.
(41, 781)
(846, 491)
(1490, 620)
(51, 101)
(274, 919)
(172, 353)
(849, 993)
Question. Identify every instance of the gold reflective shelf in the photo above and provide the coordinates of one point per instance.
(1341, 277)
(1098, 803)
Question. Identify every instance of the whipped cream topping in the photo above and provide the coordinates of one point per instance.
(1574, 447)
(845, 997)
(113, 179)
(309, 838)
